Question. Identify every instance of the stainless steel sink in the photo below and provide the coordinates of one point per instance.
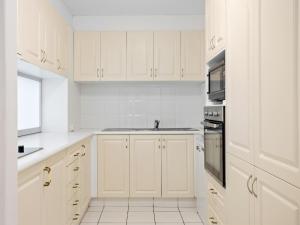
(146, 129)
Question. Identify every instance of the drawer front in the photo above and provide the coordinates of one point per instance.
(213, 218)
(73, 210)
(73, 155)
(216, 200)
(73, 171)
(72, 189)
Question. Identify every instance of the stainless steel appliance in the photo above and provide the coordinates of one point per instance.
(23, 151)
(214, 142)
(216, 82)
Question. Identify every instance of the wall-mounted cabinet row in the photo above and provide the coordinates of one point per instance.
(56, 191)
(139, 56)
(43, 36)
(145, 166)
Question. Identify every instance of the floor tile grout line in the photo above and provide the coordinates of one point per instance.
(181, 215)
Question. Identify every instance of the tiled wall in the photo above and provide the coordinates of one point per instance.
(139, 104)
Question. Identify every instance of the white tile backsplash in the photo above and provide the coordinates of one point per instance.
(137, 105)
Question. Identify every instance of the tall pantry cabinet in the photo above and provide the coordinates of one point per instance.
(263, 112)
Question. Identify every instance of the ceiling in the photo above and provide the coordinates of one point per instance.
(134, 7)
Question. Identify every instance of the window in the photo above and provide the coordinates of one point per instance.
(29, 105)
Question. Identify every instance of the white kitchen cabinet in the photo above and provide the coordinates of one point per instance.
(113, 56)
(177, 166)
(85, 177)
(87, 56)
(192, 55)
(215, 27)
(240, 202)
(264, 133)
(257, 197)
(29, 30)
(54, 199)
(145, 166)
(113, 170)
(276, 113)
(167, 55)
(140, 56)
(30, 196)
(48, 35)
(239, 81)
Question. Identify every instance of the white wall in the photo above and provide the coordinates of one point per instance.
(63, 10)
(128, 23)
(8, 116)
(139, 104)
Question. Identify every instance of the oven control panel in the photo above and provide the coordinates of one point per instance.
(216, 113)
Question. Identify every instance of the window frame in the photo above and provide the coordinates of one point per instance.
(34, 130)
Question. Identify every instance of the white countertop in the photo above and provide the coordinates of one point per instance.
(51, 143)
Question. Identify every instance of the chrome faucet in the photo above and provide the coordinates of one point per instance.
(156, 124)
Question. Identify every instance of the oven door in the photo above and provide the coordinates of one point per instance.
(214, 154)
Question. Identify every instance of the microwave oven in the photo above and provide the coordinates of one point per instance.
(216, 82)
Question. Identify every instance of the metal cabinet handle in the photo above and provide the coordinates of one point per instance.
(47, 184)
(77, 154)
(254, 181)
(248, 182)
(46, 57)
(76, 168)
(83, 154)
(151, 72)
(102, 72)
(182, 72)
(83, 146)
(47, 169)
(98, 72)
(42, 55)
(155, 72)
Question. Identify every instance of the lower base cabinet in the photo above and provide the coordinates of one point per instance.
(257, 197)
(146, 166)
(56, 191)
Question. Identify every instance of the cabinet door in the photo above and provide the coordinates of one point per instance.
(277, 202)
(177, 166)
(192, 55)
(167, 55)
(48, 35)
(145, 166)
(61, 46)
(113, 56)
(240, 82)
(219, 25)
(139, 55)
(113, 161)
(209, 28)
(87, 56)
(85, 176)
(29, 16)
(277, 88)
(30, 197)
(54, 194)
(239, 201)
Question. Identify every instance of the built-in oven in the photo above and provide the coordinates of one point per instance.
(214, 142)
(216, 82)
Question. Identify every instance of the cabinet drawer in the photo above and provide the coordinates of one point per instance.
(73, 171)
(72, 189)
(73, 211)
(73, 155)
(216, 200)
(213, 218)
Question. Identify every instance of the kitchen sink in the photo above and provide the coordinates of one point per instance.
(146, 129)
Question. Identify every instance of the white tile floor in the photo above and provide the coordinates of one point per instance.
(142, 212)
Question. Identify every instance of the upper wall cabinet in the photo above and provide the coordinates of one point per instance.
(113, 56)
(161, 56)
(87, 56)
(192, 55)
(167, 55)
(140, 56)
(42, 37)
(28, 36)
(215, 27)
